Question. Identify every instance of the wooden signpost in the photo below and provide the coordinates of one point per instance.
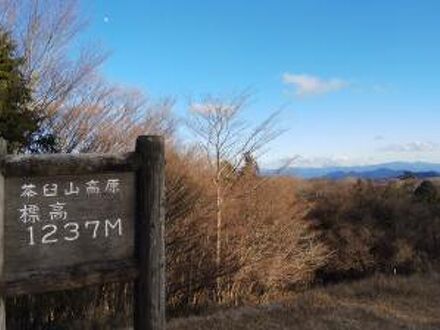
(68, 221)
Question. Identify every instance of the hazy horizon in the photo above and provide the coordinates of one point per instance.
(312, 165)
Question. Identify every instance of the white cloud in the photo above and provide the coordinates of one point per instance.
(330, 161)
(308, 85)
(416, 146)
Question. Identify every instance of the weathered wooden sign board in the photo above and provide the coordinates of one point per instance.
(68, 221)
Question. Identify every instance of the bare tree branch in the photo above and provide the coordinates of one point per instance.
(226, 139)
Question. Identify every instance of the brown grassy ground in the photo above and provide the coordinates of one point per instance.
(376, 303)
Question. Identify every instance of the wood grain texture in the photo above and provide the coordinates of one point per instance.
(67, 164)
(65, 278)
(75, 239)
(3, 151)
(33, 262)
(149, 308)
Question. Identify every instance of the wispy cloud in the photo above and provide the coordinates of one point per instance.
(308, 85)
(415, 146)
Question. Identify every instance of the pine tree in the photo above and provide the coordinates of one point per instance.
(250, 166)
(19, 125)
(426, 191)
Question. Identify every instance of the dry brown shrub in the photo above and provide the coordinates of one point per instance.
(376, 226)
(273, 247)
(190, 248)
(269, 247)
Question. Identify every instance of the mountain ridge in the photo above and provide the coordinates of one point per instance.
(375, 171)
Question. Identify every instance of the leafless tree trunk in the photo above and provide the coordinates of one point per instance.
(44, 32)
(80, 108)
(219, 200)
(84, 112)
(225, 139)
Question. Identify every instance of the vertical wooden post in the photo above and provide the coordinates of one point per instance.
(3, 151)
(149, 290)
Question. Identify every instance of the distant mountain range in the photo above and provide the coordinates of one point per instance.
(376, 172)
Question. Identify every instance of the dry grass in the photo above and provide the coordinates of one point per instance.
(376, 303)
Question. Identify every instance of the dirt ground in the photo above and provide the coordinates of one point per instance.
(376, 303)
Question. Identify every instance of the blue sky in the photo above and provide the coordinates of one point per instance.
(359, 80)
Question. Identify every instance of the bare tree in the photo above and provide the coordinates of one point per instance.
(106, 118)
(45, 32)
(85, 112)
(226, 139)
(79, 107)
